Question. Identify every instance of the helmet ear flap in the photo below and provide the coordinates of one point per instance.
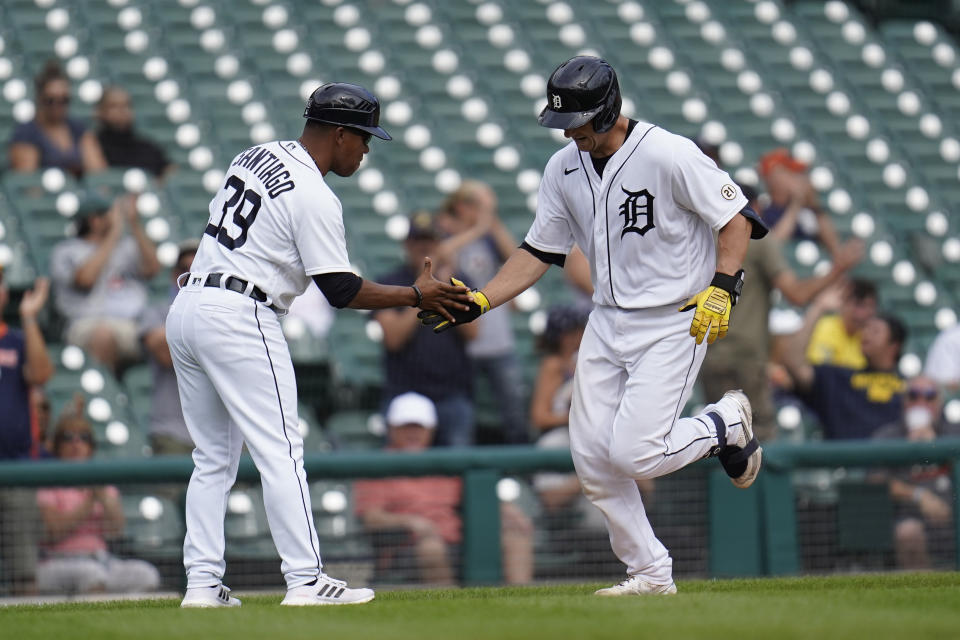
(607, 117)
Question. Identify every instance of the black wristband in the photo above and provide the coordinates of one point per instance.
(417, 291)
(731, 284)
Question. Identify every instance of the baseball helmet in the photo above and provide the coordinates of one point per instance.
(346, 105)
(582, 89)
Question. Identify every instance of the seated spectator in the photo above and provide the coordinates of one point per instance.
(550, 404)
(168, 431)
(741, 360)
(99, 280)
(434, 365)
(943, 358)
(923, 494)
(24, 365)
(78, 523)
(794, 210)
(121, 144)
(836, 337)
(477, 245)
(423, 512)
(851, 402)
(53, 138)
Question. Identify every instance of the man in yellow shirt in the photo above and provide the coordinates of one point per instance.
(836, 337)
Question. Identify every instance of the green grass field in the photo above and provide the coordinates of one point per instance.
(873, 607)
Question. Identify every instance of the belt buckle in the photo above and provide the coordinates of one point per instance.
(192, 279)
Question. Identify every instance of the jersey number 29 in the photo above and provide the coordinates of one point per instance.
(241, 196)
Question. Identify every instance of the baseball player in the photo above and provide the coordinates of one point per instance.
(642, 204)
(273, 226)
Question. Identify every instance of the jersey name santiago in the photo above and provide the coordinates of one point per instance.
(274, 223)
(646, 226)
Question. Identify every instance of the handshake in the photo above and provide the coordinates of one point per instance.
(477, 306)
(444, 305)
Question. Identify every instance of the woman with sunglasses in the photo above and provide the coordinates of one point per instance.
(78, 522)
(53, 138)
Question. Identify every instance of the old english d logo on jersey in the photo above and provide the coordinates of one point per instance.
(637, 203)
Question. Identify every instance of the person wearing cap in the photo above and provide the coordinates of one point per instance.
(99, 279)
(794, 209)
(275, 227)
(419, 517)
(478, 243)
(742, 359)
(168, 431)
(24, 365)
(922, 494)
(437, 367)
(665, 232)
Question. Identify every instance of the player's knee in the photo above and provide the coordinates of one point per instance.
(629, 464)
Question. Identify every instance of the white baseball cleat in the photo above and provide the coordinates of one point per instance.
(741, 459)
(209, 598)
(326, 590)
(637, 586)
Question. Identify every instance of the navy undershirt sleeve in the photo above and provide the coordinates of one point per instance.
(339, 288)
(543, 256)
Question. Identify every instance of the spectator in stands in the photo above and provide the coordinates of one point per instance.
(850, 402)
(122, 145)
(24, 364)
(923, 494)
(550, 404)
(78, 523)
(836, 337)
(435, 365)
(99, 280)
(477, 244)
(794, 209)
(943, 358)
(168, 431)
(53, 138)
(423, 513)
(741, 360)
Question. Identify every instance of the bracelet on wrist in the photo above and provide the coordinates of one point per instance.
(419, 295)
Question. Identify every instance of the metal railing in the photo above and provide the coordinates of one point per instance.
(761, 522)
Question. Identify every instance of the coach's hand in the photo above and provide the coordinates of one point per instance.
(712, 315)
(439, 298)
(475, 308)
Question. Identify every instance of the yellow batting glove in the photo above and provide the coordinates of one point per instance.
(478, 307)
(711, 317)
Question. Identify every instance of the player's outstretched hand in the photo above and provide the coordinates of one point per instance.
(476, 307)
(712, 315)
(440, 298)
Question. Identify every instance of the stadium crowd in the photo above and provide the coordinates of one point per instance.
(840, 362)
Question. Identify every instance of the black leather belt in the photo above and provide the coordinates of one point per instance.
(234, 283)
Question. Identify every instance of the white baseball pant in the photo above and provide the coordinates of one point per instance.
(237, 385)
(635, 372)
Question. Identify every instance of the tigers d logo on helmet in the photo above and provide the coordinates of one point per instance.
(557, 104)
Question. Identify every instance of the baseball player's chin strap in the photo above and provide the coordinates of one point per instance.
(732, 458)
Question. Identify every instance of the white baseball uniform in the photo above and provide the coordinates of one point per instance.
(646, 227)
(274, 224)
